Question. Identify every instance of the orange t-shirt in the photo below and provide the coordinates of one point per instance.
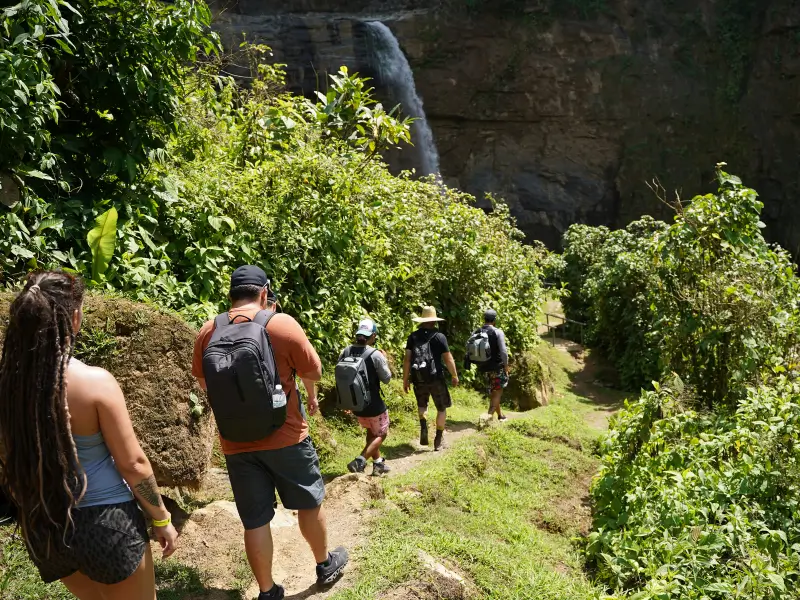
(294, 354)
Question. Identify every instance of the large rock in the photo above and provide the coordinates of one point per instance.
(150, 353)
(569, 109)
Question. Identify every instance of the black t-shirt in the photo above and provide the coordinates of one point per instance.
(438, 346)
(376, 406)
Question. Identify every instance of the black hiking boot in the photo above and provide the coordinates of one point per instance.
(380, 468)
(437, 441)
(276, 593)
(328, 574)
(423, 436)
(502, 418)
(357, 465)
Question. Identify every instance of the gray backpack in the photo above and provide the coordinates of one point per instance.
(479, 347)
(242, 380)
(352, 380)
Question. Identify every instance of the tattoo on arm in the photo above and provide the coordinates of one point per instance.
(148, 490)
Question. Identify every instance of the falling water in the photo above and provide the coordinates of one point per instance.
(395, 73)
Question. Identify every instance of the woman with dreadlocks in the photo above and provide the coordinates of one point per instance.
(68, 447)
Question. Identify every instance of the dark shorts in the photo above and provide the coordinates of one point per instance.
(255, 477)
(107, 545)
(438, 390)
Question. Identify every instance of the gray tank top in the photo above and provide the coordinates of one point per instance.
(104, 484)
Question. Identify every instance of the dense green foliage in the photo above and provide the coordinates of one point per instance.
(91, 88)
(89, 96)
(611, 282)
(250, 175)
(706, 297)
(698, 505)
(697, 494)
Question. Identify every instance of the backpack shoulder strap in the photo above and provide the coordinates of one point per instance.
(368, 351)
(263, 317)
(347, 352)
(222, 320)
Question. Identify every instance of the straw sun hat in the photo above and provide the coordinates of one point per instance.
(428, 316)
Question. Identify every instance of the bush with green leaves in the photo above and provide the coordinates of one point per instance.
(700, 505)
(698, 493)
(705, 297)
(255, 175)
(610, 281)
(727, 301)
(89, 98)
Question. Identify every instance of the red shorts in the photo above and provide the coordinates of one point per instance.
(377, 426)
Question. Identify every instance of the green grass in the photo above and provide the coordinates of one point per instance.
(19, 579)
(339, 438)
(489, 506)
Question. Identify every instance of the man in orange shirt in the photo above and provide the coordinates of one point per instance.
(285, 461)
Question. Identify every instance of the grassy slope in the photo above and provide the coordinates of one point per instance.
(489, 506)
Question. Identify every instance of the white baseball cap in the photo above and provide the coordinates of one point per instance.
(367, 327)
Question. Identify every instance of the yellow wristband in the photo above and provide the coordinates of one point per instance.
(163, 523)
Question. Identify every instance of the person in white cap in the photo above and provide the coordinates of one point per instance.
(375, 416)
(427, 353)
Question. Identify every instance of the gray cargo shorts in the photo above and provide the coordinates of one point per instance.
(292, 471)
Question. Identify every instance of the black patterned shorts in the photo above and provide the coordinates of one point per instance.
(437, 390)
(496, 379)
(107, 545)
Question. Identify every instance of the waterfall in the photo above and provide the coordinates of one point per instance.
(394, 72)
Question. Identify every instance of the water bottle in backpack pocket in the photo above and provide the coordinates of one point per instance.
(423, 366)
(242, 379)
(353, 390)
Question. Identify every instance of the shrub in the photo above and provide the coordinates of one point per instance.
(611, 281)
(257, 176)
(700, 505)
(705, 297)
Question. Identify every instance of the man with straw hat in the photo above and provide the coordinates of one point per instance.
(427, 353)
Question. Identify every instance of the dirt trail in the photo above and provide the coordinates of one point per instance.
(212, 537)
(589, 380)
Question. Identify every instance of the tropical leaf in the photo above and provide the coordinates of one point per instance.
(102, 240)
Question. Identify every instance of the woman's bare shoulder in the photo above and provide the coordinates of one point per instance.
(90, 382)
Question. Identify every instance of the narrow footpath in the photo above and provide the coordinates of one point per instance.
(212, 537)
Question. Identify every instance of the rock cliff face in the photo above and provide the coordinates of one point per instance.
(568, 108)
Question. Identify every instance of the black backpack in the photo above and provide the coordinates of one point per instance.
(242, 380)
(423, 367)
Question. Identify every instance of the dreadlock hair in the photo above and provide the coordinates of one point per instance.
(38, 459)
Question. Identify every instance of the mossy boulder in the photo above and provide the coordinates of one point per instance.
(150, 353)
(531, 383)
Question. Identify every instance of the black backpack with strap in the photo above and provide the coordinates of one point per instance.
(423, 366)
(242, 379)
